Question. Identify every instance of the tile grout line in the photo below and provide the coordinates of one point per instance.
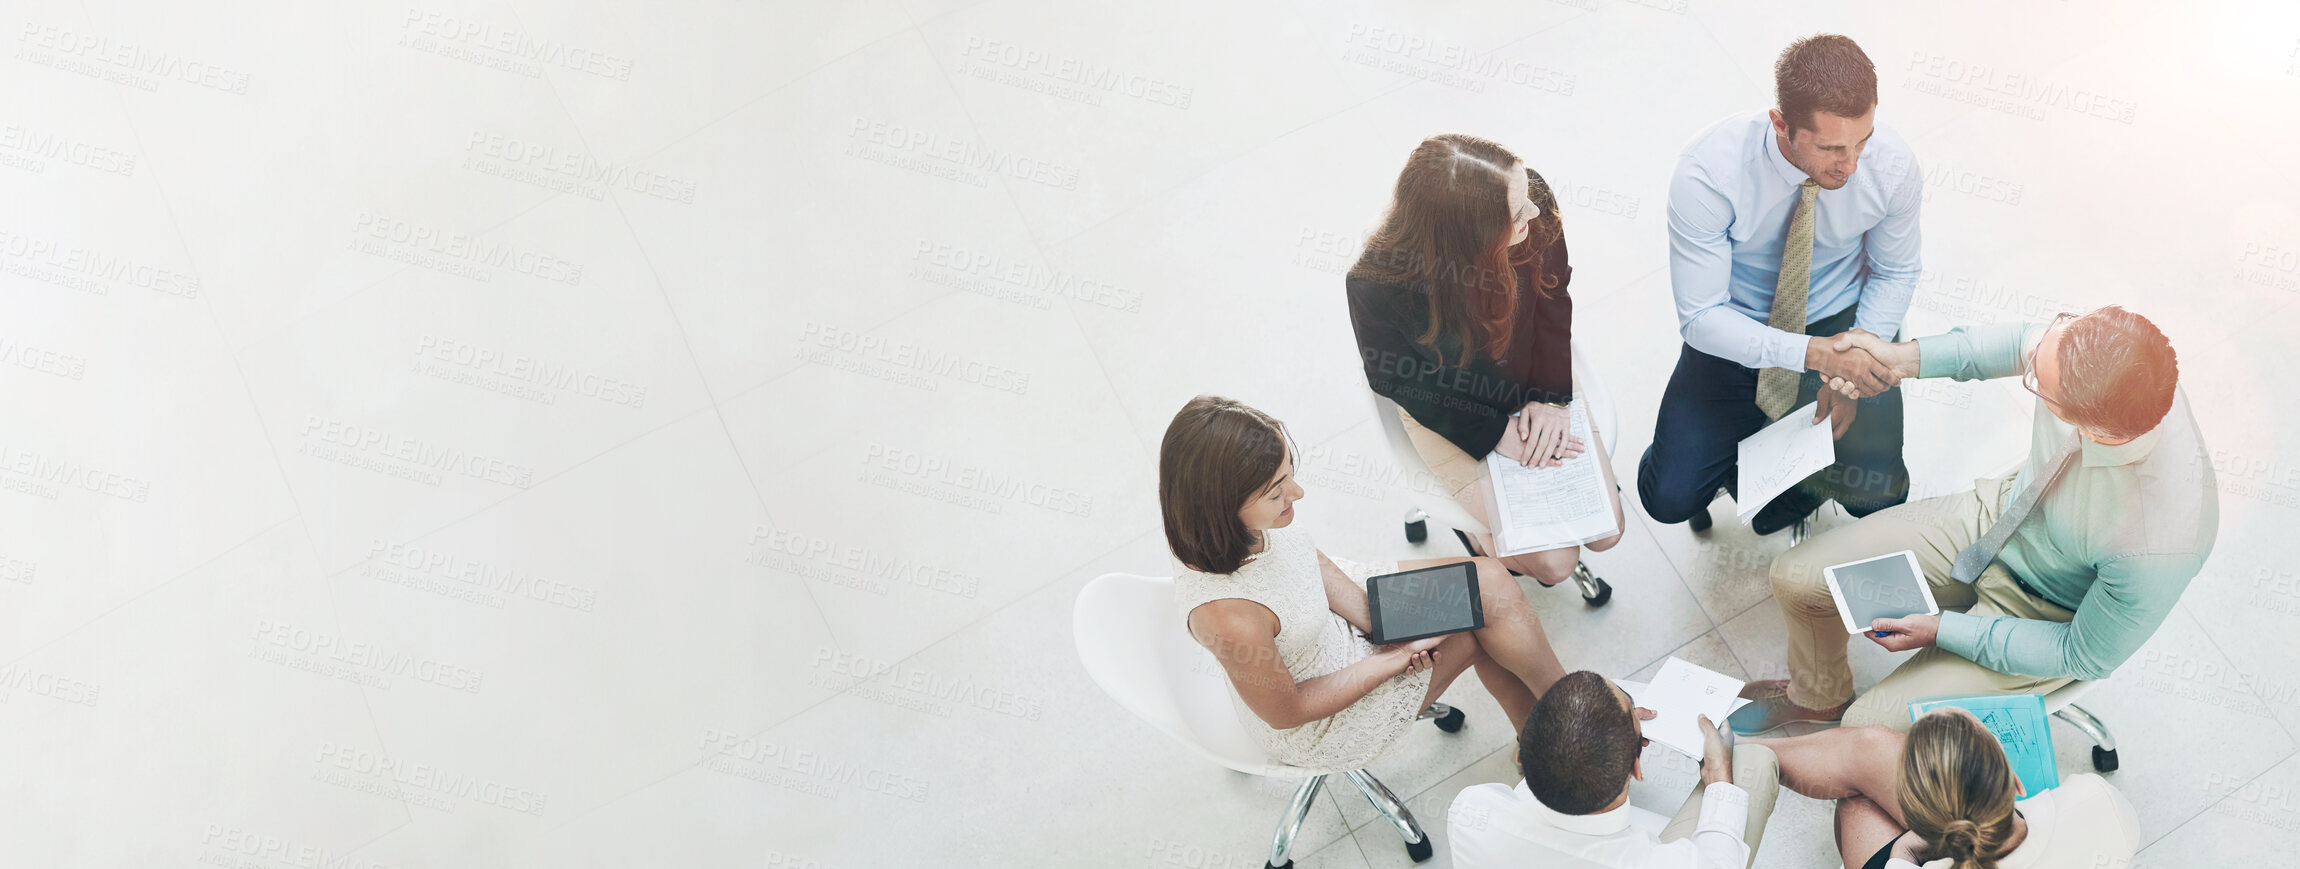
(2207, 809)
(1274, 139)
(207, 303)
(203, 565)
(288, 328)
(2203, 628)
(685, 343)
(1060, 576)
(302, 519)
(1679, 570)
(533, 485)
(1069, 306)
(746, 105)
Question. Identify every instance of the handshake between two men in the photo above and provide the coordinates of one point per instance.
(1855, 364)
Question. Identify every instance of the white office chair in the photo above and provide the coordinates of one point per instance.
(1136, 647)
(2062, 704)
(1594, 590)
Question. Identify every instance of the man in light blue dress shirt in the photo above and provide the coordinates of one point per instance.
(2068, 565)
(1735, 256)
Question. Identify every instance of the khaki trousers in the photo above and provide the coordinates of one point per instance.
(1936, 529)
(1755, 770)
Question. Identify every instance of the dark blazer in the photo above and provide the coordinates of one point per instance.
(1469, 400)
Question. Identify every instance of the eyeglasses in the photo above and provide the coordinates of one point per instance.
(2028, 377)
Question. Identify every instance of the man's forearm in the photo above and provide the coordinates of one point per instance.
(1885, 302)
(1975, 352)
(1732, 336)
(2024, 647)
(1719, 830)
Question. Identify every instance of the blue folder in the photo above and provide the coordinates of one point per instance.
(2021, 726)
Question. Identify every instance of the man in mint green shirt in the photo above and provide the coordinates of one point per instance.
(2063, 582)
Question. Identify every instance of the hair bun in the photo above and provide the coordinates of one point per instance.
(1959, 839)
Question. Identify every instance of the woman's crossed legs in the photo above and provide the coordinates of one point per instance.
(1511, 653)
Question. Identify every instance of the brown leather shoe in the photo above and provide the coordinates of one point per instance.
(1769, 710)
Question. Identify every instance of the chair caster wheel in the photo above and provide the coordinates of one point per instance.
(1287, 865)
(1417, 531)
(2103, 759)
(1421, 850)
(1604, 594)
(1451, 721)
(1700, 521)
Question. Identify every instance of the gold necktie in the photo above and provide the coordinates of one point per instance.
(1777, 387)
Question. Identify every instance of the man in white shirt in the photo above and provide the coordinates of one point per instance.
(1578, 752)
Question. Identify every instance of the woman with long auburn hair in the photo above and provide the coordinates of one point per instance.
(1462, 317)
(1287, 622)
(1944, 796)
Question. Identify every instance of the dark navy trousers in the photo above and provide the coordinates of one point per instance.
(1711, 404)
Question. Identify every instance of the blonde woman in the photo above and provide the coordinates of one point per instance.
(1945, 797)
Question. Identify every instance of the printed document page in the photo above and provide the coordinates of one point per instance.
(1537, 509)
(1781, 454)
(1678, 694)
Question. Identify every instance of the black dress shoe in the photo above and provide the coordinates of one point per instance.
(1700, 521)
(1793, 505)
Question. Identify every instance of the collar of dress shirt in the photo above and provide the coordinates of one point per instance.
(2100, 455)
(1789, 171)
(1600, 824)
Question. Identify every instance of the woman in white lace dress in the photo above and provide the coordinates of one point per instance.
(1287, 622)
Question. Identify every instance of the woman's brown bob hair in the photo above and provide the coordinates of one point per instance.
(1217, 455)
(1446, 237)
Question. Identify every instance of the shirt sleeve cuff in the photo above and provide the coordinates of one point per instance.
(1959, 634)
(1876, 326)
(1788, 350)
(1724, 809)
(1938, 356)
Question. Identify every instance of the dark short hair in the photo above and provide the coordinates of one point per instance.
(1217, 455)
(2117, 372)
(1823, 73)
(1578, 745)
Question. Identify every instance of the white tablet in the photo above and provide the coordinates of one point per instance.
(1884, 587)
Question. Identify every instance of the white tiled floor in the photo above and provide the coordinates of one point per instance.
(497, 433)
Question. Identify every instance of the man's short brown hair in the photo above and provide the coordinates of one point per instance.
(1579, 745)
(2117, 372)
(1823, 73)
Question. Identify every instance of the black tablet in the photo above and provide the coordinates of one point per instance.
(1424, 603)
